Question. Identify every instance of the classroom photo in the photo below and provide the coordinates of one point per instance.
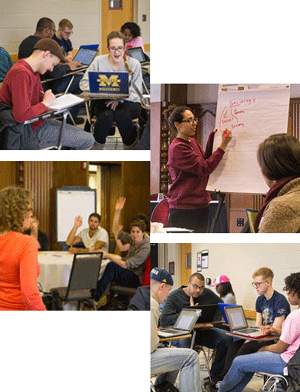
(225, 158)
(77, 79)
(216, 327)
(74, 235)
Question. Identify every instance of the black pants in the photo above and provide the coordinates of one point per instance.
(123, 115)
(196, 220)
(239, 347)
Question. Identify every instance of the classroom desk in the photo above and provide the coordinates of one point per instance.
(56, 268)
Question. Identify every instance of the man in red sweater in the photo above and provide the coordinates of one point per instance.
(22, 89)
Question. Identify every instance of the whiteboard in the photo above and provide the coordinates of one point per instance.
(69, 204)
(252, 112)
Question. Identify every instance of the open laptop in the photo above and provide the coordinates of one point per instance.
(183, 325)
(138, 54)
(238, 323)
(209, 313)
(222, 307)
(109, 84)
(84, 56)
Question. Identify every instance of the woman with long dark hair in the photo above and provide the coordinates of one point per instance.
(189, 167)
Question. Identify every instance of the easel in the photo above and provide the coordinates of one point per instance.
(221, 199)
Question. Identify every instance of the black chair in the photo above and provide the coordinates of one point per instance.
(83, 279)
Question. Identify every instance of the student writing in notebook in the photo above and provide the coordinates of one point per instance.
(269, 358)
(22, 89)
(123, 111)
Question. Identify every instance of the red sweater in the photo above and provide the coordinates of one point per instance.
(189, 167)
(22, 89)
(19, 270)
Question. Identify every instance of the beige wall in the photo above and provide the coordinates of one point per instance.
(19, 19)
(238, 262)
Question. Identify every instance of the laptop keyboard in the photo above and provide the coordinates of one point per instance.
(250, 330)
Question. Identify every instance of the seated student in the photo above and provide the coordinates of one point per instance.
(94, 238)
(18, 253)
(130, 271)
(123, 111)
(62, 37)
(193, 294)
(165, 359)
(132, 34)
(271, 358)
(45, 29)
(22, 89)
(224, 289)
(271, 310)
(39, 235)
(5, 63)
(279, 159)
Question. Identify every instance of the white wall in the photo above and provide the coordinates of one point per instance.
(19, 19)
(207, 93)
(238, 262)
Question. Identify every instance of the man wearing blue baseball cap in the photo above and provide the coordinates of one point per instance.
(169, 360)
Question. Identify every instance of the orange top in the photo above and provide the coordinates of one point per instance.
(19, 270)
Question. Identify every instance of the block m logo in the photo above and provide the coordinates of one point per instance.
(112, 81)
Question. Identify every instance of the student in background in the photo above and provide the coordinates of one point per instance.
(279, 159)
(224, 289)
(5, 63)
(271, 310)
(132, 33)
(18, 253)
(62, 37)
(39, 235)
(189, 167)
(269, 358)
(123, 111)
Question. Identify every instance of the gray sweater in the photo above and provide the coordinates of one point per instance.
(102, 64)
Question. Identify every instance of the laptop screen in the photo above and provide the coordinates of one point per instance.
(187, 319)
(236, 317)
(85, 56)
(137, 53)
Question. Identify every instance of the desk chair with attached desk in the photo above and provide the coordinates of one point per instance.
(83, 279)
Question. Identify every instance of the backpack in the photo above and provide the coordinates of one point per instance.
(165, 386)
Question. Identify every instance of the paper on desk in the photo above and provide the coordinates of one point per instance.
(65, 101)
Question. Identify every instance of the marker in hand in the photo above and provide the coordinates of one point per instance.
(225, 134)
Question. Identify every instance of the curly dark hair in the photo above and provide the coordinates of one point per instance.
(138, 223)
(292, 283)
(177, 116)
(14, 204)
(133, 27)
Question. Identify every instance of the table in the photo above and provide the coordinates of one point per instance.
(262, 339)
(56, 268)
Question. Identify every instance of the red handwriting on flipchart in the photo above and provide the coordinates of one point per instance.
(232, 113)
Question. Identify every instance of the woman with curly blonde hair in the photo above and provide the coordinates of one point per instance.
(19, 266)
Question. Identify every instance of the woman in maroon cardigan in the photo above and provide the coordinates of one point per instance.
(189, 167)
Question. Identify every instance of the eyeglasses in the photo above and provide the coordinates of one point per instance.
(256, 285)
(196, 287)
(68, 33)
(191, 120)
(119, 48)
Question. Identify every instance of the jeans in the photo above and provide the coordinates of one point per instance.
(244, 367)
(211, 338)
(73, 137)
(171, 360)
(114, 273)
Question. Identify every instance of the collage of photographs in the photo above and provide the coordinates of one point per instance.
(175, 226)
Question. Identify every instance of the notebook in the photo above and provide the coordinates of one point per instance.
(183, 325)
(138, 54)
(85, 57)
(109, 84)
(65, 101)
(238, 323)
